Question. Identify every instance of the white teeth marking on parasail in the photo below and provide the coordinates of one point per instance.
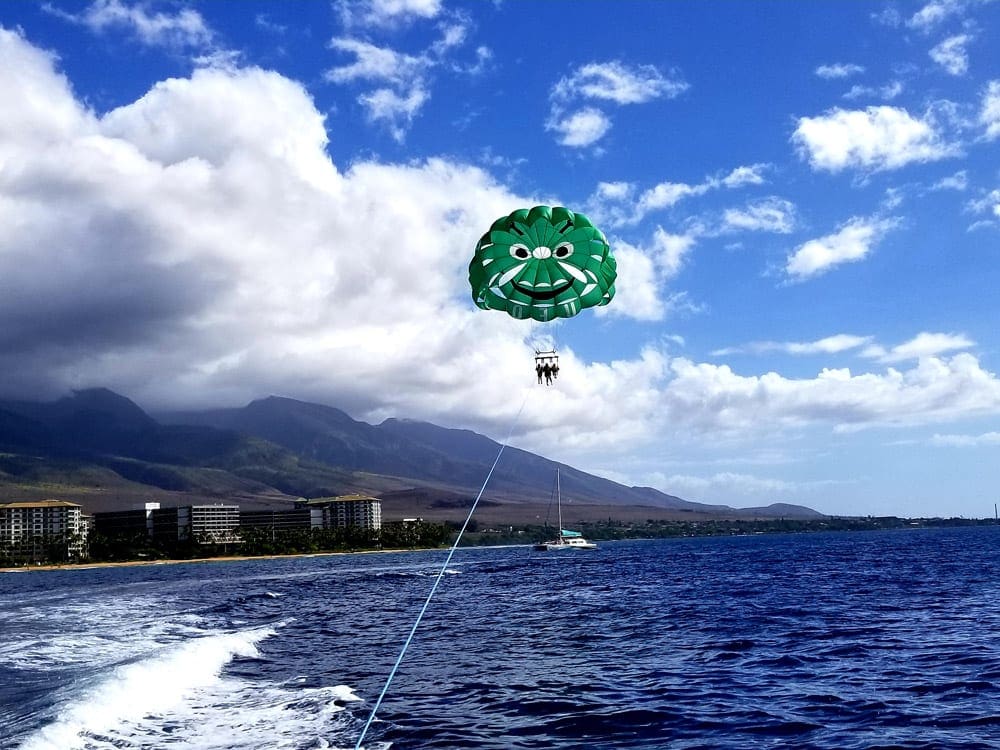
(511, 274)
(573, 271)
(487, 261)
(588, 289)
(498, 292)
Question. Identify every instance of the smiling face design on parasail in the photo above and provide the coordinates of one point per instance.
(544, 263)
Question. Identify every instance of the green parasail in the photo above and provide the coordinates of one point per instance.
(542, 263)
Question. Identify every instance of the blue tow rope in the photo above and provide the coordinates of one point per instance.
(437, 580)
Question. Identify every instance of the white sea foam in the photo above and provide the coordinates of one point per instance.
(109, 639)
(155, 685)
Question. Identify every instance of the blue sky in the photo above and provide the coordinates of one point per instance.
(206, 203)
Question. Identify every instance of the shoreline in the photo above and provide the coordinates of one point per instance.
(235, 558)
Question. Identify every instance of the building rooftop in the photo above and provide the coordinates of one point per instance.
(41, 504)
(339, 499)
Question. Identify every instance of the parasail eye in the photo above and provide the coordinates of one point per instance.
(520, 252)
(563, 250)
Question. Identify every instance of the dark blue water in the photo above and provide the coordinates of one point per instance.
(865, 640)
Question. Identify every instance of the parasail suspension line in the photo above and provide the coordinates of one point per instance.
(440, 575)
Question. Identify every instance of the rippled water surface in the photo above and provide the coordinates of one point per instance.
(865, 640)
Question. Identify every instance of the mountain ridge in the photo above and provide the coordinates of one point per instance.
(284, 448)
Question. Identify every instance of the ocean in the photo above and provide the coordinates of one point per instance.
(843, 640)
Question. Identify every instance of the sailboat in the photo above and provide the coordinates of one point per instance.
(567, 539)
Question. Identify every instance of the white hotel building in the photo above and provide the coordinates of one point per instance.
(26, 528)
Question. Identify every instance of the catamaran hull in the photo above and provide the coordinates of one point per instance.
(556, 546)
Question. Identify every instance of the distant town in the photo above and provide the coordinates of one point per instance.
(57, 532)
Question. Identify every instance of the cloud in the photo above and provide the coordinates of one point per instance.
(850, 243)
(402, 81)
(618, 83)
(921, 346)
(952, 55)
(829, 345)
(395, 109)
(747, 175)
(958, 181)
(989, 113)
(934, 13)
(198, 247)
(617, 204)
(888, 92)
(185, 28)
(643, 274)
(374, 63)
(671, 250)
(637, 290)
(581, 128)
(839, 70)
(726, 483)
(386, 13)
(201, 232)
(713, 398)
(613, 82)
(988, 204)
(875, 139)
(966, 441)
(772, 214)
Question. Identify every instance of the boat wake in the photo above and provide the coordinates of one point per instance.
(182, 696)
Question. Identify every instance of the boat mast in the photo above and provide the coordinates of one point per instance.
(559, 503)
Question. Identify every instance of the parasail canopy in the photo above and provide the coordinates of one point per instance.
(542, 263)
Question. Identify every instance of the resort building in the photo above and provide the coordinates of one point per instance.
(126, 523)
(360, 511)
(297, 518)
(204, 524)
(41, 530)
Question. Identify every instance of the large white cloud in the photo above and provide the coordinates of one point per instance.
(877, 138)
(198, 247)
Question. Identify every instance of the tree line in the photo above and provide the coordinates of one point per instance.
(255, 541)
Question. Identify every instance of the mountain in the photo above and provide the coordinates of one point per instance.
(99, 439)
(329, 436)
(448, 458)
(275, 449)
